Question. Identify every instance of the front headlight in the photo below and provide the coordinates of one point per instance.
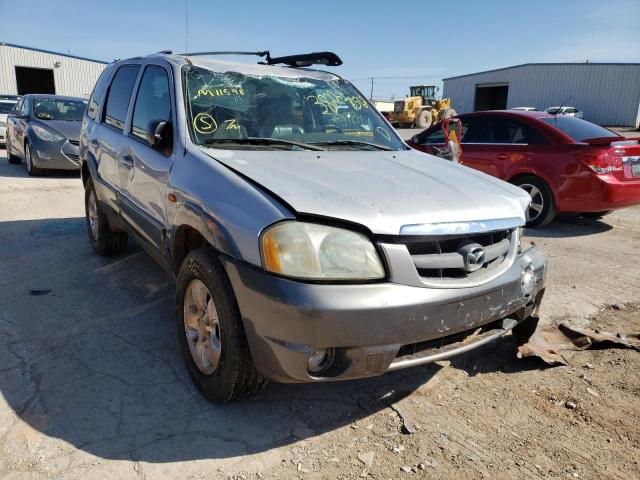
(46, 134)
(318, 252)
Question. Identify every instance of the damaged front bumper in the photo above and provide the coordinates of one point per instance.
(373, 328)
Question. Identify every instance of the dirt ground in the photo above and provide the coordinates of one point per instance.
(92, 383)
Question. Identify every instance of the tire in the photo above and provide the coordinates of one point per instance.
(105, 242)
(32, 170)
(542, 209)
(11, 158)
(233, 374)
(424, 119)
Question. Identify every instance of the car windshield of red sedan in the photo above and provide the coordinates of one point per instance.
(578, 130)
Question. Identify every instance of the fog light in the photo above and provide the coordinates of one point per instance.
(320, 360)
(528, 281)
(43, 155)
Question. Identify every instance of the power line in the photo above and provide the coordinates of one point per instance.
(399, 77)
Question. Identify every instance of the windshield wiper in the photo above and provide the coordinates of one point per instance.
(352, 142)
(262, 141)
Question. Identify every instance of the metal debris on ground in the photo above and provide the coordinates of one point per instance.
(550, 341)
(407, 427)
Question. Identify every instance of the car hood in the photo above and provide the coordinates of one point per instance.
(388, 192)
(66, 128)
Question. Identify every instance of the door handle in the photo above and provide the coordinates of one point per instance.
(126, 160)
(502, 156)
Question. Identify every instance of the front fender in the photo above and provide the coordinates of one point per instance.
(190, 215)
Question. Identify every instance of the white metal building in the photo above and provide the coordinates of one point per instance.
(607, 93)
(32, 70)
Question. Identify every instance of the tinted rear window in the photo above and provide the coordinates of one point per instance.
(119, 96)
(579, 130)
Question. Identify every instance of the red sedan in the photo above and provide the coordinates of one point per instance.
(565, 163)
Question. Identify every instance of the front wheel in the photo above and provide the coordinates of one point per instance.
(542, 208)
(32, 170)
(105, 242)
(424, 119)
(211, 332)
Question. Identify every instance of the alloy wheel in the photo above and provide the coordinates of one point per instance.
(92, 213)
(537, 201)
(202, 327)
(27, 155)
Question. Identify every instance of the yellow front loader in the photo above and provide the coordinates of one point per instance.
(421, 108)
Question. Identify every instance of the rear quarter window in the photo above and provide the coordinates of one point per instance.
(97, 96)
(579, 130)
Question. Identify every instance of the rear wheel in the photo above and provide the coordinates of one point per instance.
(542, 209)
(105, 242)
(211, 332)
(32, 170)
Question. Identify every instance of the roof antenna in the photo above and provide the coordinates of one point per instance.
(562, 105)
(186, 25)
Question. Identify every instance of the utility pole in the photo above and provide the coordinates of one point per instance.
(371, 94)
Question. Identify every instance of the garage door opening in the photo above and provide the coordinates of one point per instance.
(35, 80)
(491, 97)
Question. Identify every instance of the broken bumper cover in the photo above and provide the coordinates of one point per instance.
(377, 327)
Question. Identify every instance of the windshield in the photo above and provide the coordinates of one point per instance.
(55, 109)
(230, 108)
(6, 107)
(579, 130)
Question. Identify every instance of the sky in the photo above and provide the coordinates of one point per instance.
(398, 43)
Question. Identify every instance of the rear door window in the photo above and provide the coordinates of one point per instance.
(499, 130)
(153, 103)
(119, 96)
(579, 130)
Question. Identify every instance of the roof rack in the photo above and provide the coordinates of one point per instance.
(329, 59)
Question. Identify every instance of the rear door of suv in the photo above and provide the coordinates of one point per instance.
(106, 139)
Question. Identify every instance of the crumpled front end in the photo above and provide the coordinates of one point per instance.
(415, 316)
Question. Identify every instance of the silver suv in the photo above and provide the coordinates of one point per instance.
(308, 242)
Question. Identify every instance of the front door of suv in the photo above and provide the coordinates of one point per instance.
(144, 180)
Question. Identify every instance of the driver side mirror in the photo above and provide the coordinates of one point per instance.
(160, 135)
(18, 114)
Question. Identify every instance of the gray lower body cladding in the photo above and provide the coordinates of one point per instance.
(370, 326)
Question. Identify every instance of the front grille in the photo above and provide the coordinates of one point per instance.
(469, 258)
(398, 106)
(72, 156)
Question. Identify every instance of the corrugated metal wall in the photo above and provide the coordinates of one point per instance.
(74, 76)
(608, 94)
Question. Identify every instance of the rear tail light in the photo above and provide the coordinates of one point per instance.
(600, 161)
